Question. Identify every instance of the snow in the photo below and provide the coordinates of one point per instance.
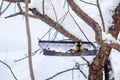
(44, 67)
(13, 47)
(107, 8)
(51, 8)
(108, 38)
(115, 58)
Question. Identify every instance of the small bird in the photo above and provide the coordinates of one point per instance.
(81, 47)
(78, 47)
(75, 47)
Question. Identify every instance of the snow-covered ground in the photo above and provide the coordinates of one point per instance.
(44, 67)
(13, 41)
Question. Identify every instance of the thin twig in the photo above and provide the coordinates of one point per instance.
(62, 72)
(9, 69)
(12, 15)
(79, 27)
(54, 24)
(83, 73)
(101, 16)
(2, 2)
(63, 17)
(55, 35)
(76, 67)
(64, 3)
(1, 12)
(72, 75)
(46, 33)
(21, 13)
(19, 7)
(43, 6)
(88, 2)
(15, 1)
(6, 8)
(54, 12)
(85, 60)
(27, 56)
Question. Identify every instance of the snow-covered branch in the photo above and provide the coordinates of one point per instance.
(94, 25)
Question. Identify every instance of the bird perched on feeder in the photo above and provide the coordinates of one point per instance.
(75, 47)
(78, 47)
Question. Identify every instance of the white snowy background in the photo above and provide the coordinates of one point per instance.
(13, 41)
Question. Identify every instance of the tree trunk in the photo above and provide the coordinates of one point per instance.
(114, 30)
(107, 69)
(96, 67)
(95, 70)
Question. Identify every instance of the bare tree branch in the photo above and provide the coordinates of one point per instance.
(15, 14)
(29, 41)
(95, 69)
(88, 63)
(61, 73)
(1, 12)
(54, 12)
(92, 23)
(99, 61)
(15, 1)
(79, 27)
(53, 24)
(101, 16)
(1, 4)
(27, 56)
(6, 8)
(9, 69)
(77, 67)
(88, 3)
(47, 20)
(43, 6)
(115, 46)
(19, 7)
